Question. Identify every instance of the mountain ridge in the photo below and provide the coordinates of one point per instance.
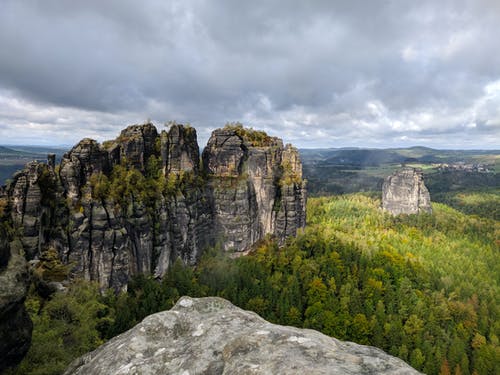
(134, 204)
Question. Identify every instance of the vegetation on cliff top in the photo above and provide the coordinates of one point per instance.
(424, 288)
(126, 184)
(256, 138)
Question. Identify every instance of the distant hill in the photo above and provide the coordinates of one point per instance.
(42, 150)
(350, 170)
(13, 158)
(365, 157)
(377, 157)
(4, 151)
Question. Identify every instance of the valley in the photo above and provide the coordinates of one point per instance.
(14, 158)
(423, 287)
(249, 187)
(467, 180)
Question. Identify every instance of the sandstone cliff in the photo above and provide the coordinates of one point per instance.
(405, 193)
(15, 324)
(135, 204)
(257, 186)
(212, 336)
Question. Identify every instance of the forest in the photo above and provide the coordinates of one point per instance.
(447, 172)
(423, 288)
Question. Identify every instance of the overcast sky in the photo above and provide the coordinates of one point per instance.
(316, 73)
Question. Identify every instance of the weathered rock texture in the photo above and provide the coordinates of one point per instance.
(15, 324)
(257, 187)
(135, 204)
(405, 193)
(212, 336)
(179, 150)
(85, 159)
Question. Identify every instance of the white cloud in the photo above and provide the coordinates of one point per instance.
(316, 73)
(409, 53)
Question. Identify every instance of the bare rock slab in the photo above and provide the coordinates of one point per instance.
(212, 336)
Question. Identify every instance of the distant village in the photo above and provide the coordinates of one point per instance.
(462, 166)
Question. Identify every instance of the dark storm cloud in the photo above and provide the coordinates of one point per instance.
(318, 73)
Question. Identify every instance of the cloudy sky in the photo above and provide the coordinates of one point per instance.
(317, 73)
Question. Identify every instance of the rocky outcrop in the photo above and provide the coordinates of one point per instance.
(85, 159)
(108, 243)
(257, 186)
(179, 150)
(405, 193)
(32, 193)
(135, 204)
(136, 144)
(291, 209)
(212, 336)
(15, 324)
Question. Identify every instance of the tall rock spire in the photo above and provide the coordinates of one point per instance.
(404, 192)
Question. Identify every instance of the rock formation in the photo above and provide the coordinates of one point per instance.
(15, 324)
(179, 150)
(212, 336)
(137, 203)
(85, 159)
(405, 193)
(257, 186)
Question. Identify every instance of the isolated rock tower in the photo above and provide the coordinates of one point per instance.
(404, 192)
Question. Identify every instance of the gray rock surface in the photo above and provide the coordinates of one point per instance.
(15, 324)
(137, 144)
(257, 188)
(244, 192)
(212, 336)
(86, 158)
(404, 192)
(179, 150)
(29, 190)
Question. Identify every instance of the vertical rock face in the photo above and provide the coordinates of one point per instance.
(28, 191)
(405, 193)
(137, 144)
(85, 159)
(51, 160)
(257, 186)
(292, 209)
(108, 243)
(135, 204)
(186, 224)
(179, 149)
(15, 324)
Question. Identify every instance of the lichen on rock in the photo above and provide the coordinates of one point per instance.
(212, 336)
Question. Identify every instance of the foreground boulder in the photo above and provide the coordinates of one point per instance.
(212, 336)
(405, 193)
